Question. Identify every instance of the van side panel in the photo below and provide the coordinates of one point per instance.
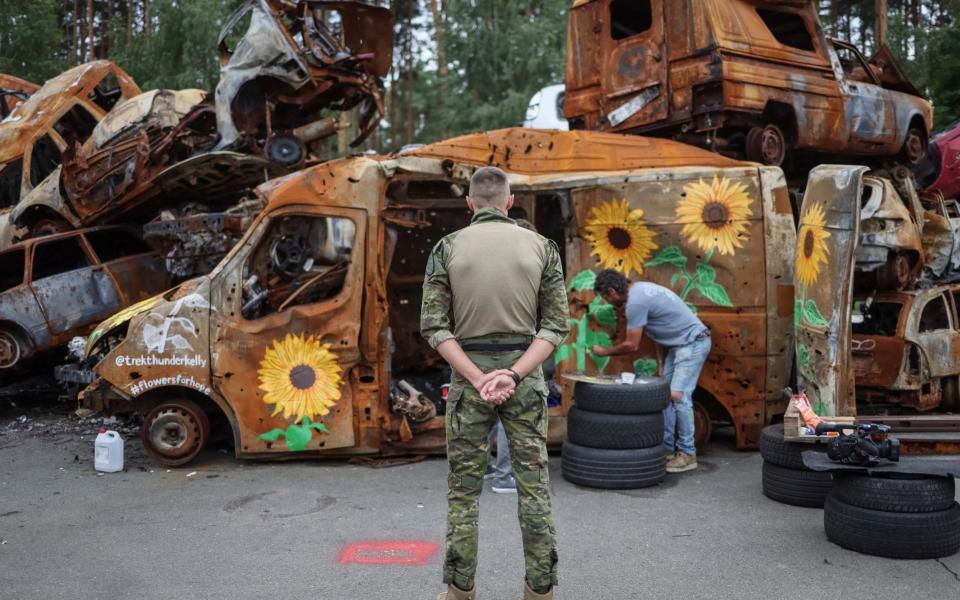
(699, 232)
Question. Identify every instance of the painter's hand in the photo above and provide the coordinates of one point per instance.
(599, 351)
(499, 389)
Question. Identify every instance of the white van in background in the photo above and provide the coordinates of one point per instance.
(545, 110)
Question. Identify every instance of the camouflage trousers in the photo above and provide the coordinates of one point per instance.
(468, 422)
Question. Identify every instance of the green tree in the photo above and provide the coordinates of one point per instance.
(31, 41)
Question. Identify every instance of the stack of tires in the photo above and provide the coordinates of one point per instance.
(615, 435)
(785, 478)
(904, 517)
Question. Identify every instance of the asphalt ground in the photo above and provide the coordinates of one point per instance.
(229, 529)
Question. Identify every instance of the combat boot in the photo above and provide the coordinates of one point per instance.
(529, 594)
(455, 593)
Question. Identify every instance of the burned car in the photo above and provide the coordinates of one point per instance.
(753, 78)
(904, 351)
(939, 173)
(283, 64)
(13, 91)
(39, 130)
(60, 286)
(151, 160)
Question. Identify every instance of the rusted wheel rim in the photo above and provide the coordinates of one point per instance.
(703, 426)
(47, 227)
(9, 350)
(773, 146)
(902, 271)
(174, 433)
(913, 145)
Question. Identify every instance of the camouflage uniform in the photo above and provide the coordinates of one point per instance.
(524, 415)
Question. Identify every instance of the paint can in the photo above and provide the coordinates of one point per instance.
(108, 451)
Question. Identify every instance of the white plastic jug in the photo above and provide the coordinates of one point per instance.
(108, 452)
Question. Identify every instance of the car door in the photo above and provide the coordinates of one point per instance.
(73, 290)
(868, 108)
(823, 283)
(139, 272)
(938, 335)
(634, 68)
(285, 326)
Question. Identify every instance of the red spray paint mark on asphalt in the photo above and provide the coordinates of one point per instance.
(388, 552)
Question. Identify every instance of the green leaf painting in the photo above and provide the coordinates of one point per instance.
(671, 255)
(703, 279)
(296, 436)
(583, 281)
(645, 367)
(812, 315)
(580, 345)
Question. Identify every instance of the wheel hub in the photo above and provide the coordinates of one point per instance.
(174, 433)
(9, 350)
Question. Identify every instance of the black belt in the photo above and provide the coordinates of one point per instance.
(495, 345)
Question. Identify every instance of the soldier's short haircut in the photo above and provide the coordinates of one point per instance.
(610, 278)
(489, 186)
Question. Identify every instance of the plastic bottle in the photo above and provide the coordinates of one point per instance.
(108, 451)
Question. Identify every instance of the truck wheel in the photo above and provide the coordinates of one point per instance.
(796, 487)
(914, 145)
(48, 227)
(600, 430)
(612, 469)
(645, 395)
(922, 494)
(11, 350)
(766, 145)
(702, 426)
(175, 432)
(776, 451)
(892, 534)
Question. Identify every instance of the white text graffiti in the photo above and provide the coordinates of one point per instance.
(180, 380)
(161, 361)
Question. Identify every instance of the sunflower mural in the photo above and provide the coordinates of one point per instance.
(620, 237)
(301, 379)
(715, 218)
(714, 215)
(812, 250)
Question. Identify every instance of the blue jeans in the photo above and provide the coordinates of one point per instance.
(501, 465)
(682, 369)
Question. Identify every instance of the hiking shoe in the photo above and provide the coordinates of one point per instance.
(681, 462)
(507, 485)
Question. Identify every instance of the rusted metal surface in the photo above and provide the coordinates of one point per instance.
(13, 91)
(60, 286)
(62, 112)
(397, 207)
(294, 61)
(749, 78)
(890, 252)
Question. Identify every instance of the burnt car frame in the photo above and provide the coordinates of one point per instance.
(294, 61)
(39, 130)
(60, 286)
(13, 91)
(754, 78)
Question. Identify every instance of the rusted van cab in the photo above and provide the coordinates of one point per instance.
(754, 78)
(295, 339)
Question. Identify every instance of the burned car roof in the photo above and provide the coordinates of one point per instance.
(51, 98)
(13, 91)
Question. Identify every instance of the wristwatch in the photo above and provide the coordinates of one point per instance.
(516, 376)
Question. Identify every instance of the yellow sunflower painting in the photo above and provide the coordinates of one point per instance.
(714, 215)
(812, 250)
(301, 377)
(620, 236)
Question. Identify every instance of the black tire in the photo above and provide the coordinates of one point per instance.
(612, 469)
(893, 535)
(775, 450)
(796, 487)
(614, 432)
(644, 396)
(922, 494)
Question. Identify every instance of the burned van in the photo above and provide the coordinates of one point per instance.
(295, 340)
(753, 78)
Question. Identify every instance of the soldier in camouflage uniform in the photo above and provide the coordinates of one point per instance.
(495, 307)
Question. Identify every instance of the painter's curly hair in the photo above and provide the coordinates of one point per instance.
(611, 278)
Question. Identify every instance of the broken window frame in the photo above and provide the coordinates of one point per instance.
(631, 5)
(947, 312)
(88, 124)
(7, 259)
(37, 259)
(263, 238)
(765, 12)
(838, 46)
(116, 240)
